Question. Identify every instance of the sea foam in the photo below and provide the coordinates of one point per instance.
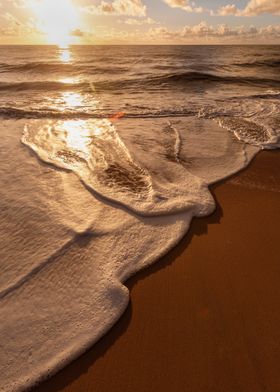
(74, 239)
(94, 151)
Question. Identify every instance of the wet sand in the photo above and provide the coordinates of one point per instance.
(205, 318)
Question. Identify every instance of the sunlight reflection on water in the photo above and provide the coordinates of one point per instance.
(65, 55)
(73, 100)
(79, 135)
(76, 138)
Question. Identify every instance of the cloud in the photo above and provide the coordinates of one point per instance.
(184, 5)
(77, 33)
(258, 7)
(221, 33)
(270, 31)
(118, 7)
(201, 33)
(140, 22)
(204, 30)
(16, 28)
(11, 19)
(253, 8)
(229, 9)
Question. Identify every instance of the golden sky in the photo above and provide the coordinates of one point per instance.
(64, 22)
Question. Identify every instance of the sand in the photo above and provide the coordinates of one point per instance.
(205, 318)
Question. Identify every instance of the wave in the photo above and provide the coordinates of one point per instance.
(100, 68)
(232, 108)
(35, 66)
(17, 113)
(45, 86)
(168, 80)
(182, 79)
(270, 95)
(189, 77)
(264, 63)
(40, 67)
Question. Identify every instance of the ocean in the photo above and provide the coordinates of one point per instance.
(107, 154)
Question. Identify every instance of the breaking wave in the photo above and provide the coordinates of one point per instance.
(166, 80)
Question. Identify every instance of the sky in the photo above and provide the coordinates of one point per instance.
(64, 22)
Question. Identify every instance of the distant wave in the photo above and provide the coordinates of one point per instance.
(35, 66)
(44, 86)
(166, 80)
(45, 68)
(100, 68)
(190, 77)
(269, 95)
(185, 78)
(264, 63)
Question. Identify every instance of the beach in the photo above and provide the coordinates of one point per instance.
(108, 155)
(206, 316)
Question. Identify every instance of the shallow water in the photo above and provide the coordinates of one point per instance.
(106, 156)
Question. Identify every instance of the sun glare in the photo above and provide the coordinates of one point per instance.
(57, 19)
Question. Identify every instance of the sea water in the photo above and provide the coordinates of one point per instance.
(107, 154)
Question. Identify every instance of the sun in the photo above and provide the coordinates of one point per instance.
(57, 19)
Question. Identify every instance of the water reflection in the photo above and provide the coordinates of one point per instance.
(65, 55)
(83, 142)
(75, 99)
(72, 100)
(69, 80)
(76, 139)
(94, 151)
(79, 134)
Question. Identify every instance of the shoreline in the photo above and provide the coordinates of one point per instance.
(206, 316)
